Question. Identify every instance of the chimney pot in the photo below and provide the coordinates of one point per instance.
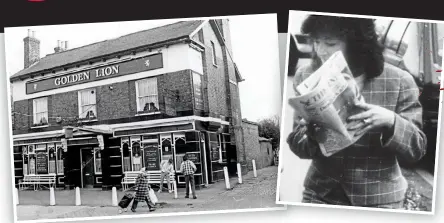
(58, 43)
(33, 34)
(29, 33)
(66, 45)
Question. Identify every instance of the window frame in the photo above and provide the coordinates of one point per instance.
(34, 112)
(97, 150)
(80, 106)
(138, 97)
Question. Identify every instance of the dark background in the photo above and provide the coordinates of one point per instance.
(49, 12)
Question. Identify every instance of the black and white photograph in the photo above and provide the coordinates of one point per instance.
(360, 112)
(144, 118)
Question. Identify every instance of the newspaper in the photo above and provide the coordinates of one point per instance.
(327, 98)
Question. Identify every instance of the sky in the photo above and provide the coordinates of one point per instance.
(254, 39)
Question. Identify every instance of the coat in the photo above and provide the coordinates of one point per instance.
(368, 172)
(142, 187)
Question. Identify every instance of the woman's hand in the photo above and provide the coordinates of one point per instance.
(374, 116)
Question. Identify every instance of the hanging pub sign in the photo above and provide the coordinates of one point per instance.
(152, 156)
(42, 163)
(150, 62)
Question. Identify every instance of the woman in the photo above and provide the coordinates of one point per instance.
(142, 189)
(366, 173)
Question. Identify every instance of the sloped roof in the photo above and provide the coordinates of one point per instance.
(131, 41)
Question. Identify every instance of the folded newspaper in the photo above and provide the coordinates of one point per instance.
(327, 98)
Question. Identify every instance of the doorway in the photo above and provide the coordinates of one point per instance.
(87, 167)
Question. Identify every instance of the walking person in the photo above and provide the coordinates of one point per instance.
(166, 168)
(188, 168)
(142, 191)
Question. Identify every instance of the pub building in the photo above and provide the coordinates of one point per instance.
(91, 113)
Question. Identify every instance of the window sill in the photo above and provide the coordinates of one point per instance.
(148, 113)
(39, 126)
(88, 120)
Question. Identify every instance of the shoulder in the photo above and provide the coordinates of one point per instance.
(395, 73)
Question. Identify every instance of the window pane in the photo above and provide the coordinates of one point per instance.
(147, 95)
(98, 160)
(137, 157)
(41, 111)
(59, 159)
(395, 34)
(88, 104)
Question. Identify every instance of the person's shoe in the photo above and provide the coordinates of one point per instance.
(159, 191)
(152, 209)
(187, 196)
(133, 210)
(125, 209)
(194, 197)
(170, 191)
(120, 211)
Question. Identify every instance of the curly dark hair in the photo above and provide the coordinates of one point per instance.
(363, 51)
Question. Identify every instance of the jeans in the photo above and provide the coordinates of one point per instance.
(162, 177)
(190, 179)
(148, 203)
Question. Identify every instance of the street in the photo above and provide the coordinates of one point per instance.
(257, 192)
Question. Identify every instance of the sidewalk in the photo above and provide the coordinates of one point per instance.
(257, 192)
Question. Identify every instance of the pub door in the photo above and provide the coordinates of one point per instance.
(87, 170)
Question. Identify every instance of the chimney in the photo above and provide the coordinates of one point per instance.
(32, 49)
(58, 48)
(61, 46)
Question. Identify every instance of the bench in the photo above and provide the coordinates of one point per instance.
(153, 178)
(37, 180)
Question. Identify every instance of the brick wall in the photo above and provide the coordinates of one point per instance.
(31, 50)
(117, 103)
(250, 134)
(215, 80)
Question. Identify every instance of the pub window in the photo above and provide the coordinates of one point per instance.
(52, 158)
(25, 160)
(40, 108)
(97, 161)
(31, 160)
(197, 82)
(87, 104)
(59, 157)
(147, 97)
(137, 156)
(213, 52)
(126, 157)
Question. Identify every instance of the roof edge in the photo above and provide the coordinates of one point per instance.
(154, 45)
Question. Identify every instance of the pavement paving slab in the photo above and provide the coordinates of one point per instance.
(257, 192)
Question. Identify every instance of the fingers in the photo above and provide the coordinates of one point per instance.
(363, 105)
(355, 126)
(364, 130)
(362, 115)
